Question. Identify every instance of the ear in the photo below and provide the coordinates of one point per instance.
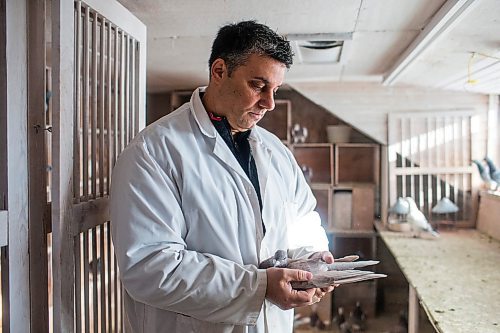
(218, 70)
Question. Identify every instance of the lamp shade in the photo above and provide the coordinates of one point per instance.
(400, 207)
(445, 206)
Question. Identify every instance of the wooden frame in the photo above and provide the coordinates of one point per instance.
(17, 291)
(37, 159)
(92, 124)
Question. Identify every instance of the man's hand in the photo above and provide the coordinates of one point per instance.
(327, 257)
(280, 292)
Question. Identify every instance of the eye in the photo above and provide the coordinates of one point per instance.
(257, 86)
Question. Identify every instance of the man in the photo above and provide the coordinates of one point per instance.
(203, 195)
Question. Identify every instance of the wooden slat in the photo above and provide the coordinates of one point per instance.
(122, 114)
(133, 88)
(4, 218)
(62, 58)
(116, 79)
(126, 83)
(86, 278)
(37, 159)
(109, 114)
(78, 283)
(95, 279)
(102, 276)
(90, 214)
(85, 110)
(3, 109)
(93, 110)
(78, 102)
(101, 105)
(109, 265)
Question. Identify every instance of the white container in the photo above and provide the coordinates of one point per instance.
(338, 133)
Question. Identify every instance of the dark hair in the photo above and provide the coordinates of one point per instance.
(236, 42)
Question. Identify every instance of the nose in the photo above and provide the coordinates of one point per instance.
(267, 100)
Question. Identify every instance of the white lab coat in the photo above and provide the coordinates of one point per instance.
(187, 227)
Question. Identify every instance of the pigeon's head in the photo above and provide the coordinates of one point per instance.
(411, 203)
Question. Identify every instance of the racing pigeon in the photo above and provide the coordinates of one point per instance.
(485, 176)
(417, 220)
(494, 173)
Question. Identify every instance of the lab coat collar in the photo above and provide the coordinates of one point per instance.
(201, 116)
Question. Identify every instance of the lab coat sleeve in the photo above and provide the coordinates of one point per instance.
(306, 235)
(155, 266)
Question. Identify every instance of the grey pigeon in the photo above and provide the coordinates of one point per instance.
(342, 271)
(485, 176)
(494, 173)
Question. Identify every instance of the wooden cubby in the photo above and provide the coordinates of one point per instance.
(357, 163)
(319, 158)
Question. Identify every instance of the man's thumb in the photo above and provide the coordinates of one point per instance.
(300, 275)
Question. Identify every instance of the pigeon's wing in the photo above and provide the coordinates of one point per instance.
(328, 278)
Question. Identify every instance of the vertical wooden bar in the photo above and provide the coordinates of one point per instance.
(78, 284)
(78, 102)
(85, 109)
(38, 259)
(117, 130)
(95, 279)
(403, 157)
(109, 267)
(115, 290)
(102, 277)
(133, 88)
(101, 105)
(93, 113)
(126, 72)
(109, 113)
(62, 134)
(86, 300)
(121, 114)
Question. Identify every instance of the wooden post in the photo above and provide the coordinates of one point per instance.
(63, 62)
(413, 305)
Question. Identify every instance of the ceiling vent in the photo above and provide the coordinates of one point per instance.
(320, 48)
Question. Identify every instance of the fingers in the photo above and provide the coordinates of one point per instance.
(326, 256)
(279, 290)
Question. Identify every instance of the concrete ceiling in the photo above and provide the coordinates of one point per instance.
(452, 44)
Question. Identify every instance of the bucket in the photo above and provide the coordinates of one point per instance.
(338, 133)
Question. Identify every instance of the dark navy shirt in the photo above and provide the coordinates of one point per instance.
(240, 147)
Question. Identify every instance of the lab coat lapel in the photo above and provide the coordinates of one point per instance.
(262, 155)
(222, 151)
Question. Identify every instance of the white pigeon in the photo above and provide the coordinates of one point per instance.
(417, 220)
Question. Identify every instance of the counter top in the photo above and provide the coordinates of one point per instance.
(456, 277)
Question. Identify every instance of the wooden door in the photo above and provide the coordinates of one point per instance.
(430, 158)
(98, 105)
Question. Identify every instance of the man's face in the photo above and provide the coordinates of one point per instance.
(248, 93)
